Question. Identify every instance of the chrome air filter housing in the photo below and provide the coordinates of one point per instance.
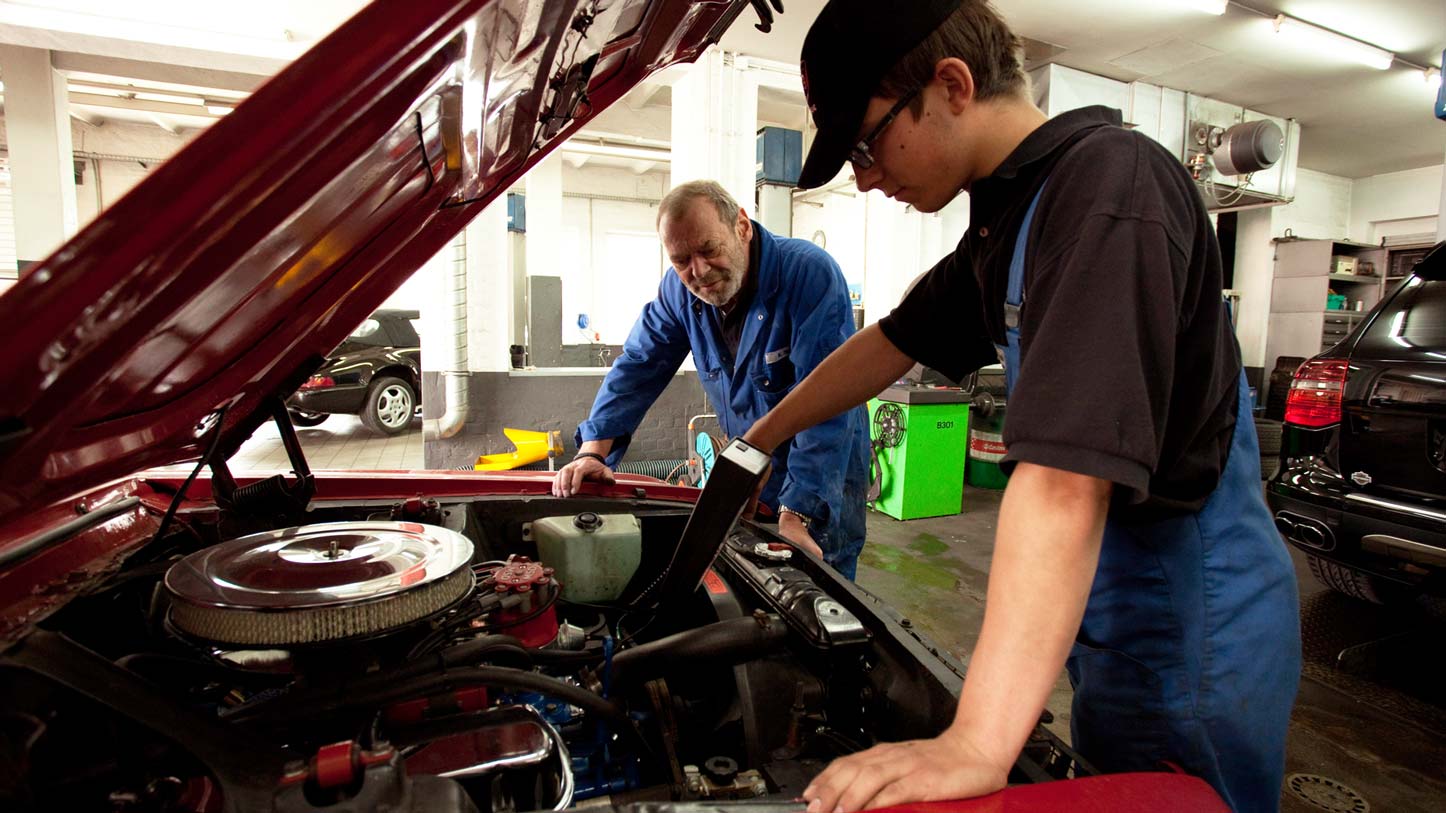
(319, 583)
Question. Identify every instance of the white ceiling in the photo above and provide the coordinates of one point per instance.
(1356, 121)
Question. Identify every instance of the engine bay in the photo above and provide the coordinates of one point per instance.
(486, 654)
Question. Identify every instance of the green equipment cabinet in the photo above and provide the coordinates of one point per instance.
(920, 437)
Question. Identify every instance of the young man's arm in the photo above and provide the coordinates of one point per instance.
(1046, 551)
(860, 369)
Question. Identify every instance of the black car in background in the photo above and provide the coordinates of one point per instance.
(375, 374)
(1362, 483)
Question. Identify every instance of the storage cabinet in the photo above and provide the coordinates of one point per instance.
(1307, 274)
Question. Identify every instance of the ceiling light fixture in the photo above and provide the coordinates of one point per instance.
(1433, 77)
(1335, 43)
(1216, 7)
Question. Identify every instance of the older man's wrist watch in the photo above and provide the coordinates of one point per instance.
(803, 518)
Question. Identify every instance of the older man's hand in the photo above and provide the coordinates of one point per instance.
(790, 527)
(570, 478)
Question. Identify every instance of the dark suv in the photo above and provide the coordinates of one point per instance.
(376, 374)
(1362, 484)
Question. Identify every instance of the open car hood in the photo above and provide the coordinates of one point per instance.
(227, 276)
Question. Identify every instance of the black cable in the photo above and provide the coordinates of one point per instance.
(300, 707)
(205, 459)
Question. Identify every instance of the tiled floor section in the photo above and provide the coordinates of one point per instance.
(341, 442)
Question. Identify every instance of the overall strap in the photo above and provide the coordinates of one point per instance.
(1014, 297)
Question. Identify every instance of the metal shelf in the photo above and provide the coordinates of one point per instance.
(1355, 278)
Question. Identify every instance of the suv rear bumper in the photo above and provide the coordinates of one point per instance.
(1400, 541)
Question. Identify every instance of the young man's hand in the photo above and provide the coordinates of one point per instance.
(790, 527)
(570, 478)
(944, 768)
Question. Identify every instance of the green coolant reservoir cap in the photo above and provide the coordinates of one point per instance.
(587, 522)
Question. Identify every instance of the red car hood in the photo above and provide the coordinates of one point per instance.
(231, 271)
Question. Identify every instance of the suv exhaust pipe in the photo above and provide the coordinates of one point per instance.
(1309, 532)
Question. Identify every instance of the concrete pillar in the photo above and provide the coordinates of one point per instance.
(544, 217)
(715, 126)
(489, 290)
(1254, 279)
(775, 208)
(42, 170)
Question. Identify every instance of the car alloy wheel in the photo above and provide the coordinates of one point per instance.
(391, 405)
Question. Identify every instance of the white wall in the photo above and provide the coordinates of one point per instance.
(1398, 203)
(108, 180)
(881, 244)
(1321, 211)
(608, 252)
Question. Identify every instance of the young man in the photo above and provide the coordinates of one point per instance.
(1133, 539)
(758, 313)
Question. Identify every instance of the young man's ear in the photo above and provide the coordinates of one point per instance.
(954, 76)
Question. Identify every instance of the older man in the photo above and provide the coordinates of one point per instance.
(758, 312)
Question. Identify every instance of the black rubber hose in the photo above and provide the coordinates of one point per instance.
(490, 676)
(463, 654)
(729, 642)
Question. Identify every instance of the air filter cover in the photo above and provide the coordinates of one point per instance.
(319, 583)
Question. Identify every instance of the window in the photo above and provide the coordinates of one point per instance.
(370, 333)
(1424, 324)
(1415, 320)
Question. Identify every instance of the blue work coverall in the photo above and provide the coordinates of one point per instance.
(799, 314)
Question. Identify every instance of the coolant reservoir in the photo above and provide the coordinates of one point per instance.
(594, 555)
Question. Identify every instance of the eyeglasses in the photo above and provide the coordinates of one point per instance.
(862, 154)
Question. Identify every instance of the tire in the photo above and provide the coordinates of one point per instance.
(1269, 432)
(390, 406)
(306, 420)
(1351, 582)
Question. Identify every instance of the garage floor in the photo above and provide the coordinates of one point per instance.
(1371, 712)
(340, 442)
(1369, 727)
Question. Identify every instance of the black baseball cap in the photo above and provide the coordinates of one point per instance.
(849, 49)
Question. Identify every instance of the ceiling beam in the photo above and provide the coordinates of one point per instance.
(141, 105)
(244, 82)
(99, 45)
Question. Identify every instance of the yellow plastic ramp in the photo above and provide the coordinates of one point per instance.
(531, 447)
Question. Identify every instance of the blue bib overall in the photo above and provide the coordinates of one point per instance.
(1189, 651)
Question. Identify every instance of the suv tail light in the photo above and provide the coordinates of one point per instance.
(1315, 394)
(317, 381)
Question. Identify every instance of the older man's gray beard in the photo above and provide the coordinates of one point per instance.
(730, 290)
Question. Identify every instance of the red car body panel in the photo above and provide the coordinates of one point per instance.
(234, 268)
(1110, 793)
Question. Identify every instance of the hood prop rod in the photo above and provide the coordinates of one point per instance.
(274, 494)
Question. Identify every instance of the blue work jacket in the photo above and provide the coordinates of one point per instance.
(799, 314)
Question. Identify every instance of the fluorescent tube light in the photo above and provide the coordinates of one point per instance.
(1331, 42)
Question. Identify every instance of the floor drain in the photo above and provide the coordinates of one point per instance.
(1326, 794)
